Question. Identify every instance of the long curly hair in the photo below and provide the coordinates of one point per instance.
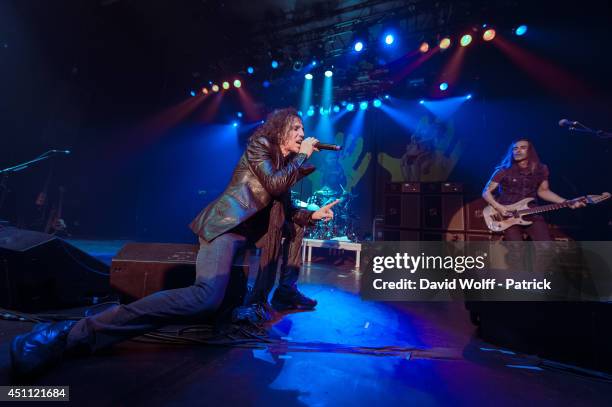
(276, 125)
(532, 155)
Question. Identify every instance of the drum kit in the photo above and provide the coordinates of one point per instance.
(344, 224)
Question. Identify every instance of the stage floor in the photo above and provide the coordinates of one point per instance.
(347, 352)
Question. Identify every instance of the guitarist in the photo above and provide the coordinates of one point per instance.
(521, 175)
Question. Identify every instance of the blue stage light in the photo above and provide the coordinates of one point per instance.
(250, 70)
(469, 96)
(350, 107)
(235, 124)
(336, 109)
(314, 63)
(421, 102)
(521, 30)
(328, 74)
(310, 112)
(376, 103)
(363, 105)
(358, 46)
(239, 114)
(389, 39)
(192, 93)
(266, 84)
(274, 64)
(443, 86)
(308, 76)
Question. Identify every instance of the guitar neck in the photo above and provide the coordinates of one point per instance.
(545, 208)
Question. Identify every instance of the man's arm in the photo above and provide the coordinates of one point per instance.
(546, 194)
(487, 194)
(276, 182)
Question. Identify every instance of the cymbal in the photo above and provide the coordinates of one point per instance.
(326, 191)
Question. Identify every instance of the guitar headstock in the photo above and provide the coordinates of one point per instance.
(594, 199)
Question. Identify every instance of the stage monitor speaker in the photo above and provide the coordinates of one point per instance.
(402, 211)
(141, 269)
(443, 212)
(40, 271)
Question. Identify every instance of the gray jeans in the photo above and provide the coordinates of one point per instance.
(213, 269)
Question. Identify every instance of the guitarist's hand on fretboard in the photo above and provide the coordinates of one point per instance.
(578, 203)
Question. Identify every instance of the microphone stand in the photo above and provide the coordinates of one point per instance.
(581, 128)
(4, 174)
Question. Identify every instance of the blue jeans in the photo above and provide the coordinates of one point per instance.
(213, 269)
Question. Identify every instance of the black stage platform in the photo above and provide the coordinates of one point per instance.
(347, 352)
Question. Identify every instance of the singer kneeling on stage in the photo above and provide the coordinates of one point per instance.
(254, 208)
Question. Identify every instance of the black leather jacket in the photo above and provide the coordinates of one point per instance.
(258, 178)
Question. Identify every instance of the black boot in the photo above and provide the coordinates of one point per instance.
(256, 313)
(291, 299)
(39, 349)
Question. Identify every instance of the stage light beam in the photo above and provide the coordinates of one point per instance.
(424, 47)
(226, 85)
(489, 35)
(358, 46)
(466, 40)
(443, 86)
(328, 74)
(445, 43)
(237, 83)
(389, 39)
(521, 30)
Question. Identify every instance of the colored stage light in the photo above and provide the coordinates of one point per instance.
(376, 103)
(443, 86)
(239, 114)
(336, 109)
(237, 83)
(358, 46)
(520, 30)
(489, 34)
(424, 47)
(205, 91)
(308, 76)
(274, 64)
(266, 84)
(215, 88)
(235, 124)
(389, 39)
(310, 112)
(192, 93)
(363, 105)
(421, 102)
(313, 63)
(328, 74)
(466, 40)
(387, 96)
(445, 43)
(250, 70)
(225, 85)
(350, 107)
(468, 97)
(300, 113)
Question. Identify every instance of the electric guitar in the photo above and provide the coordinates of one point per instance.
(498, 222)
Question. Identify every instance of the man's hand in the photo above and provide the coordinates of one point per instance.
(503, 210)
(325, 212)
(578, 203)
(308, 146)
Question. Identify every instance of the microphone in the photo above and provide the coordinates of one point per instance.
(331, 147)
(568, 123)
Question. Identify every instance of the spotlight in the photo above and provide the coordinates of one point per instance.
(308, 76)
(468, 97)
(421, 102)
(328, 74)
(310, 112)
(488, 35)
(250, 70)
(445, 43)
(192, 93)
(336, 109)
(350, 107)
(262, 121)
(215, 88)
(389, 39)
(521, 30)
(363, 105)
(424, 47)
(205, 91)
(443, 86)
(376, 103)
(297, 66)
(235, 124)
(466, 40)
(300, 113)
(237, 83)
(343, 103)
(358, 46)
(313, 63)
(266, 84)
(225, 85)
(274, 64)
(239, 114)
(387, 96)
